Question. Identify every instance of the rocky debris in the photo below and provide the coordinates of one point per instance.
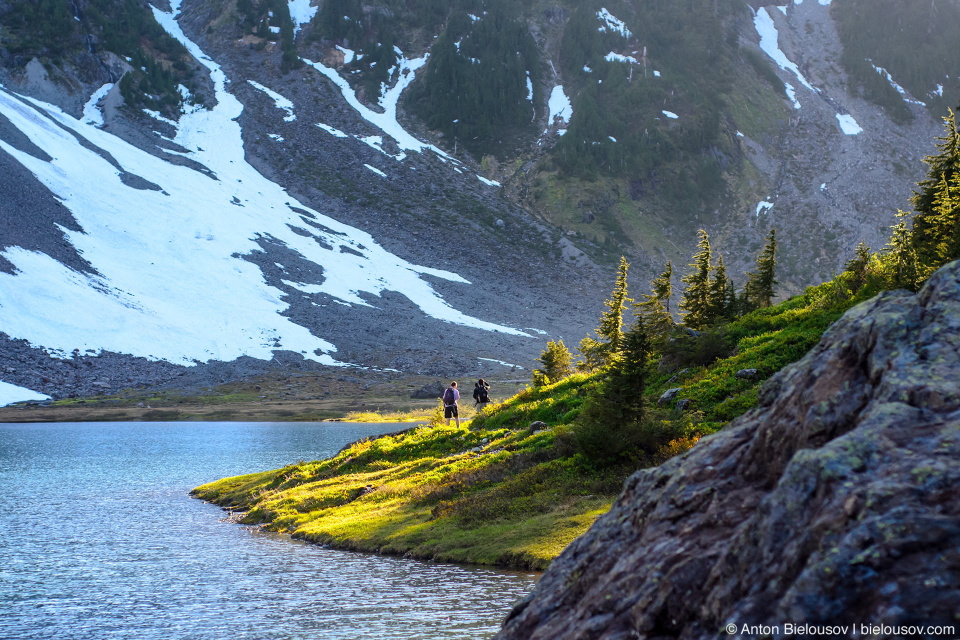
(747, 374)
(429, 391)
(836, 501)
(684, 404)
(537, 425)
(669, 396)
(678, 375)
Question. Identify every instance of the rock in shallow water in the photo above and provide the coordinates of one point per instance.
(836, 501)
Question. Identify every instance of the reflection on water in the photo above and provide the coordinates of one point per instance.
(100, 540)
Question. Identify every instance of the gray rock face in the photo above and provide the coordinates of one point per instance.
(836, 501)
(669, 396)
(747, 374)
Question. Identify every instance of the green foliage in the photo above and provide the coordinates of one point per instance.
(557, 364)
(474, 89)
(936, 225)
(618, 128)
(857, 266)
(696, 297)
(914, 40)
(654, 312)
(601, 352)
(761, 284)
(611, 422)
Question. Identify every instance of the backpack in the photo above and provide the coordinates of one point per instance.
(483, 396)
(448, 397)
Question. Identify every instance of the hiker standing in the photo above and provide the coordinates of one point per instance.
(481, 393)
(450, 397)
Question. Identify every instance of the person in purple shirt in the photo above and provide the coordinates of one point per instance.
(450, 398)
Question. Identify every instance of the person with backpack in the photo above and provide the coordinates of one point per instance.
(481, 393)
(450, 398)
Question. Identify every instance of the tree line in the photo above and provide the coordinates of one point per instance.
(614, 422)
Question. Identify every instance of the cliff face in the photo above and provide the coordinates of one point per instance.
(834, 502)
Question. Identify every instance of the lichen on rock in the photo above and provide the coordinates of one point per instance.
(836, 501)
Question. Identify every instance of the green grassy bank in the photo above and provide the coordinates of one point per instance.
(502, 492)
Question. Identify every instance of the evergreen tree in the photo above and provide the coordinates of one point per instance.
(556, 360)
(857, 267)
(718, 296)
(610, 421)
(761, 283)
(654, 311)
(600, 352)
(932, 198)
(901, 264)
(696, 296)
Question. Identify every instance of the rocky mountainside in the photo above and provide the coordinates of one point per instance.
(832, 503)
(433, 187)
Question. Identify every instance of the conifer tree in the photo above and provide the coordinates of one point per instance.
(654, 311)
(718, 295)
(931, 199)
(761, 283)
(903, 270)
(556, 360)
(696, 296)
(857, 267)
(600, 352)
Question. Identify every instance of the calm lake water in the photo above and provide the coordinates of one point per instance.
(99, 539)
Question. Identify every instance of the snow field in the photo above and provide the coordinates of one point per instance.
(10, 394)
(171, 281)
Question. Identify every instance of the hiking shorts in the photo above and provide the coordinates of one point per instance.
(450, 411)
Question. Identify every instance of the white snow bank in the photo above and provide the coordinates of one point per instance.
(670, 114)
(791, 94)
(506, 364)
(375, 170)
(348, 54)
(386, 121)
(91, 112)
(656, 74)
(769, 44)
(492, 183)
(172, 282)
(617, 57)
(848, 125)
(903, 92)
(559, 105)
(10, 393)
(336, 133)
(301, 13)
(613, 23)
(278, 100)
(763, 206)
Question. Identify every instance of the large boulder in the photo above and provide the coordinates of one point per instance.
(835, 502)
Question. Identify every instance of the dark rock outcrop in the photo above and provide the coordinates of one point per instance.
(835, 502)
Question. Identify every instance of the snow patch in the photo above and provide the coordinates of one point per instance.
(791, 94)
(560, 106)
(613, 23)
(670, 114)
(656, 74)
(336, 133)
(301, 13)
(275, 136)
(617, 57)
(386, 121)
(375, 170)
(278, 100)
(763, 206)
(770, 45)
(903, 93)
(492, 183)
(91, 112)
(506, 364)
(10, 393)
(529, 88)
(587, 69)
(848, 125)
(348, 54)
